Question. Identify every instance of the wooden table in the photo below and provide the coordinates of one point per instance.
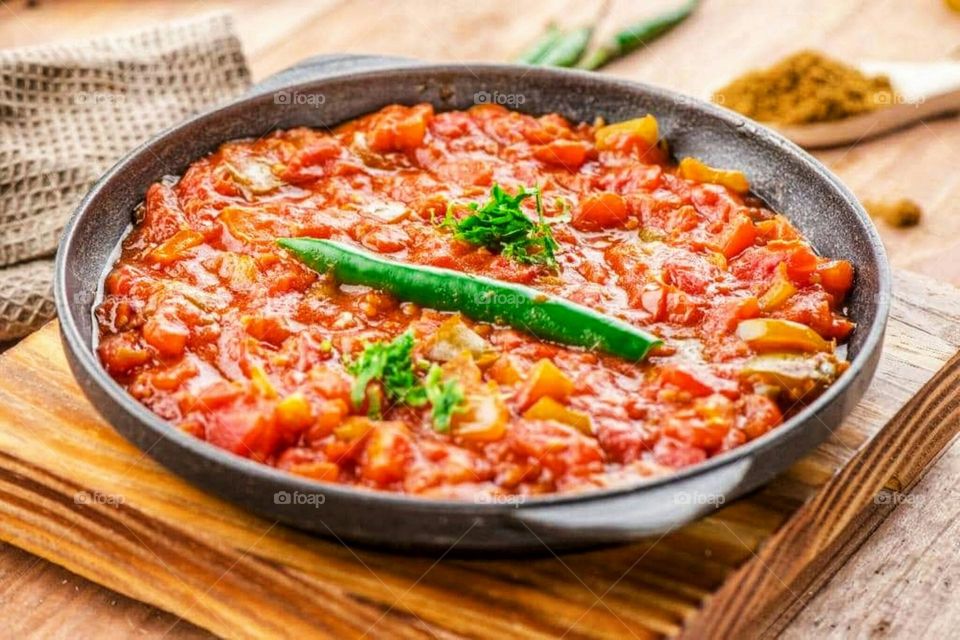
(900, 581)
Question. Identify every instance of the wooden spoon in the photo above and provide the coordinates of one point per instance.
(921, 91)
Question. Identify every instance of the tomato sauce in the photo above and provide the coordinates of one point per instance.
(207, 322)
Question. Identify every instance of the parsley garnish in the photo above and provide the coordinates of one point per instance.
(501, 226)
(446, 398)
(391, 364)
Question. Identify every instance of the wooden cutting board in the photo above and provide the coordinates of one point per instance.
(74, 492)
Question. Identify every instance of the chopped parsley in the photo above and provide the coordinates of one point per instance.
(391, 364)
(501, 226)
(445, 398)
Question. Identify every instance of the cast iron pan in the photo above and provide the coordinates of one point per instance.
(326, 91)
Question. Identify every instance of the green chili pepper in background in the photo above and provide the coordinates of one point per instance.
(539, 48)
(636, 35)
(484, 299)
(568, 49)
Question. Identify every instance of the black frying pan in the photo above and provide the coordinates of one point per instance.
(326, 91)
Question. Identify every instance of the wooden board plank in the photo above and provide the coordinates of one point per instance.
(903, 579)
(114, 516)
(72, 607)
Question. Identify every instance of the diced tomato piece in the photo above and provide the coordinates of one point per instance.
(559, 448)
(246, 428)
(569, 154)
(760, 414)
(681, 308)
(836, 276)
(162, 215)
(387, 453)
(600, 211)
(166, 334)
(689, 272)
(171, 378)
(398, 128)
(801, 264)
(777, 228)
(120, 353)
(307, 164)
(697, 382)
(384, 238)
(814, 308)
(268, 328)
(724, 318)
(327, 416)
(219, 394)
(705, 425)
(740, 234)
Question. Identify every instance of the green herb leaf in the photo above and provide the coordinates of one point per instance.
(501, 226)
(389, 363)
(445, 397)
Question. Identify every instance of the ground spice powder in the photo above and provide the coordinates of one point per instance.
(804, 88)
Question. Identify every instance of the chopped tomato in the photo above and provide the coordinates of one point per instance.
(387, 453)
(836, 276)
(564, 153)
(697, 382)
(741, 234)
(600, 211)
(400, 128)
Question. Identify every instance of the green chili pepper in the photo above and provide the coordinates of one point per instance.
(636, 35)
(539, 48)
(484, 299)
(568, 48)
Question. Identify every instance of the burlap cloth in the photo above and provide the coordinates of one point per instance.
(68, 112)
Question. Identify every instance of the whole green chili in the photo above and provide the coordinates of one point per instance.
(568, 49)
(643, 32)
(484, 299)
(540, 46)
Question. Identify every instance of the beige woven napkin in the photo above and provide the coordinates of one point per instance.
(68, 112)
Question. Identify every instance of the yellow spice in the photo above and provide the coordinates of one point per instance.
(806, 87)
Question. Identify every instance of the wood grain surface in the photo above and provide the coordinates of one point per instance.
(903, 561)
(74, 492)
